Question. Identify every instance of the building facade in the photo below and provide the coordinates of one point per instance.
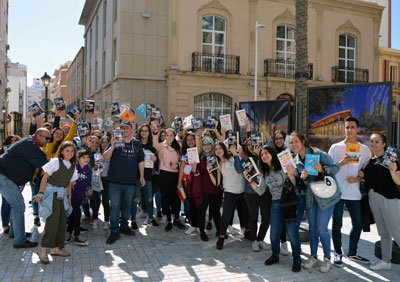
(17, 83)
(4, 47)
(75, 76)
(197, 56)
(34, 93)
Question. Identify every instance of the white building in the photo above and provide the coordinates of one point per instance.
(386, 29)
(34, 93)
(17, 82)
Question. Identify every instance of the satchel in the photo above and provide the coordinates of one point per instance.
(288, 196)
(324, 188)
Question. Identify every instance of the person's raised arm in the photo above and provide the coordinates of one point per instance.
(108, 153)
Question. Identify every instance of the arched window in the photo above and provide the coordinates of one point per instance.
(212, 104)
(347, 57)
(286, 49)
(213, 43)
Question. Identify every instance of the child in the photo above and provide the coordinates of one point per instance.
(55, 199)
(78, 195)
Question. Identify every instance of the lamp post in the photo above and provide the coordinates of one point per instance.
(46, 82)
(4, 111)
(255, 60)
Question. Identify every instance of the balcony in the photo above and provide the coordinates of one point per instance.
(284, 69)
(349, 75)
(227, 64)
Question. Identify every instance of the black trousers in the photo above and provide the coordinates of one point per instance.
(255, 203)
(213, 203)
(105, 199)
(242, 210)
(170, 201)
(95, 202)
(230, 200)
(194, 213)
(74, 223)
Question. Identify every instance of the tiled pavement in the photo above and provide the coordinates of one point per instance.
(154, 255)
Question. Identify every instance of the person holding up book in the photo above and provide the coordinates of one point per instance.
(105, 199)
(319, 210)
(342, 154)
(169, 156)
(384, 198)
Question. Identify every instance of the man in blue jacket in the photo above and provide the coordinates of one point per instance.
(17, 166)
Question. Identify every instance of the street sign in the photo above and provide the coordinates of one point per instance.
(50, 104)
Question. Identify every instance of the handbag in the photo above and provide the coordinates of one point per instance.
(97, 185)
(288, 196)
(324, 188)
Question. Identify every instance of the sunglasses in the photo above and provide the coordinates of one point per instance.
(45, 137)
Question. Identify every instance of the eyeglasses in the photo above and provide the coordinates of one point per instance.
(45, 137)
(279, 138)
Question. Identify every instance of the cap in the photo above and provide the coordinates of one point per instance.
(125, 123)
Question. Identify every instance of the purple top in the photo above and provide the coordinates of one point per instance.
(84, 180)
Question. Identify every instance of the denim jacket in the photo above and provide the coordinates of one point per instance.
(46, 204)
(331, 169)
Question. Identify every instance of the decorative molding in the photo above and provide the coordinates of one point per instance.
(286, 15)
(348, 25)
(215, 4)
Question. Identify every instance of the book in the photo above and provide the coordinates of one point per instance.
(35, 109)
(107, 124)
(197, 123)
(210, 123)
(83, 130)
(148, 163)
(310, 161)
(353, 151)
(193, 155)
(60, 104)
(117, 135)
(128, 115)
(225, 121)
(114, 108)
(241, 117)
(187, 122)
(75, 110)
(233, 139)
(391, 155)
(181, 194)
(97, 122)
(148, 109)
(286, 159)
(178, 124)
(257, 139)
(251, 168)
(124, 106)
(142, 110)
(89, 106)
(213, 162)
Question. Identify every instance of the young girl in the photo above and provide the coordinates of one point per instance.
(78, 195)
(319, 210)
(95, 200)
(55, 199)
(156, 184)
(104, 193)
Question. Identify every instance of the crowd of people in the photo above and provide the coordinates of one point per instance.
(70, 175)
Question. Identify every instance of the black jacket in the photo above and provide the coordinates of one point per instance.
(19, 162)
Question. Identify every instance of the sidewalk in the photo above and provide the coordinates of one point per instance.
(154, 255)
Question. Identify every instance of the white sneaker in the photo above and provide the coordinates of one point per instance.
(106, 225)
(191, 230)
(310, 263)
(284, 249)
(255, 246)
(95, 224)
(163, 219)
(230, 229)
(264, 245)
(325, 265)
(380, 265)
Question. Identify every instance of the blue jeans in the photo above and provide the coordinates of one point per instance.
(292, 229)
(5, 212)
(136, 198)
(10, 191)
(35, 189)
(301, 207)
(354, 207)
(120, 202)
(318, 221)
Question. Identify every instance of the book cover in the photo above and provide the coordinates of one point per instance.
(97, 122)
(35, 109)
(225, 122)
(124, 106)
(89, 106)
(142, 110)
(128, 115)
(251, 168)
(197, 123)
(210, 123)
(73, 112)
(310, 161)
(83, 130)
(193, 155)
(241, 117)
(60, 104)
(178, 124)
(117, 135)
(233, 139)
(114, 109)
(155, 115)
(353, 151)
(148, 109)
(257, 139)
(212, 162)
(107, 124)
(391, 155)
(187, 122)
(181, 194)
(286, 159)
(148, 163)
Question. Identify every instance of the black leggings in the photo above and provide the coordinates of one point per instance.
(170, 201)
(213, 201)
(242, 211)
(230, 200)
(105, 199)
(257, 203)
(74, 223)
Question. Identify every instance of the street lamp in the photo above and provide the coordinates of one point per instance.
(46, 82)
(4, 111)
(255, 60)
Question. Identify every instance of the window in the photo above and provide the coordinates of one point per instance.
(393, 73)
(213, 104)
(114, 58)
(96, 37)
(104, 18)
(115, 10)
(103, 69)
(95, 76)
(213, 43)
(347, 58)
(285, 50)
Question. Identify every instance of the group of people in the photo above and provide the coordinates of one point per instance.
(69, 175)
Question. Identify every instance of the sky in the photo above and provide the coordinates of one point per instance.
(43, 34)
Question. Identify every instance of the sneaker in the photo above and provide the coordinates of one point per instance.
(68, 237)
(191, 230)
(127, 231)
(263, 245)
(134, 225)
(230, 229)
(337, 261)
(179, 224)
(255, 246)
(163, 219)
(79, 241)
(358, 259)
(168, 227)
(203, 237)
(284, 249)
(220, 243)
(26, 244)
(36, 221)
(95, 224)
(380, 265)
(87, 219)
(159, 214)
(310, 263)
(112, 238)
(154, 223)
(272, 259)
(296, 267)
(325, 265)
(187, 220)
(106, 225)
(83, 230)
(209, 225)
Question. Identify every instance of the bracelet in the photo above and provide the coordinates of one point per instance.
(42, 193)
(39, 195)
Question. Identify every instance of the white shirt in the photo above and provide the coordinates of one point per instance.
(337, 152)
(54, 164)
(233, 182)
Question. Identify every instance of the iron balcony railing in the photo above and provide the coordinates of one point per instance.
(282, 68)
(349, 75)
(206, 62)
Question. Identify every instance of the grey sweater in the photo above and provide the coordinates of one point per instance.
(274, 182)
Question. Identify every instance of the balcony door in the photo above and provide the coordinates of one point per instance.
(347, 58)
(285, 50)
(213, 44)
(212, 104)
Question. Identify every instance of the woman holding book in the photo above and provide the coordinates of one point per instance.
(384, 198)
(319, 210)
(105, 199)
(277, 181)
